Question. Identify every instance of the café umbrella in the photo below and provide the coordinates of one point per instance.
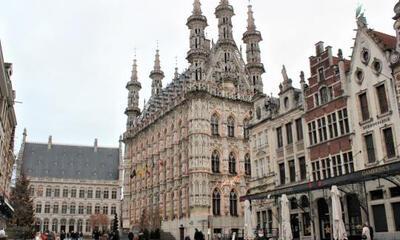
(248, 220)
(286, 229)
(339, 230)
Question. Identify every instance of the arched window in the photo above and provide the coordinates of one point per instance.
(231, 127)
(46, 225)
(214, 125)
(215, 162)
(247, 165)
(216, 203)
(80, 225)
(88, 226)
(233, 203)
(54, 225)
(246, 132)
(71, 227)
(232, 163)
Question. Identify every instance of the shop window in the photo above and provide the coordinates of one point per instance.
(396, 215)
(380, 219)
(376, 195)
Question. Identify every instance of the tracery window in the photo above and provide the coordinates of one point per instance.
(232, 163)
(215, 162)
(247, 165)
(231, 127)
(214, 125)
(216, 203)
(233, 203)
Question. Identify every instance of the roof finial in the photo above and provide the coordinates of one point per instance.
(134, 76)
(157, 65)
(176, 74)
(197, 7)
(250, 20)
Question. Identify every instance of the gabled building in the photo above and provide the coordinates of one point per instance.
(8, 123)
(278, 153)
(72, 185)
(351, 137)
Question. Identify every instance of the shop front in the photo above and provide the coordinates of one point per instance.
(311, 207)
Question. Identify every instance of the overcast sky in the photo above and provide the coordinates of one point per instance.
(72, 58)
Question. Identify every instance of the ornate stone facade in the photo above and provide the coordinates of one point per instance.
(8, 123)
(185, 152)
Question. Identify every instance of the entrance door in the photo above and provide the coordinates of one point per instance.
(294, 221)
(324, 220)
(354, 211)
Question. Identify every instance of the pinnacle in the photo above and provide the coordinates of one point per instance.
(197, 7)
(250, 20)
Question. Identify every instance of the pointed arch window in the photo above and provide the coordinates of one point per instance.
(246, 131)
(216, 203)
(215, 162)
(233, 203)
(231, 127)
(232, 163)
(247, 165)
(214, 125)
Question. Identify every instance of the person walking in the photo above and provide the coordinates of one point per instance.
(366, 234)
(130, 235)
(197, 234)
(62, 235)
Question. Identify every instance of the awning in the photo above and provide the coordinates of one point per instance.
(5, 207)
(381, 171)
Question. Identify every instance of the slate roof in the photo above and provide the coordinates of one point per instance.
(70, 162)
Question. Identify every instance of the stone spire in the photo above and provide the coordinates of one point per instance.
(224, 12)
(199, 45)
(157, 75)
(252, 39)
(133, 87)
(251, 26)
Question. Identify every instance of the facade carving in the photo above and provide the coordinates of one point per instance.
(185, 151)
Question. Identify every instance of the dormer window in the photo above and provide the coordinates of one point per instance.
(286, 102)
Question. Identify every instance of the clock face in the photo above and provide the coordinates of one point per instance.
(394, 58)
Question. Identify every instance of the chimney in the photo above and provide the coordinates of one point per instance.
(95, 145)
(319, 48)
(50, 143)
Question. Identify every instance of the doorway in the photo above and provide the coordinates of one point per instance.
(294, 221)
(324, 220)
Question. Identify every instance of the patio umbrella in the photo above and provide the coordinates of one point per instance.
(339, 230)
(286, 229)
(248, 220)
